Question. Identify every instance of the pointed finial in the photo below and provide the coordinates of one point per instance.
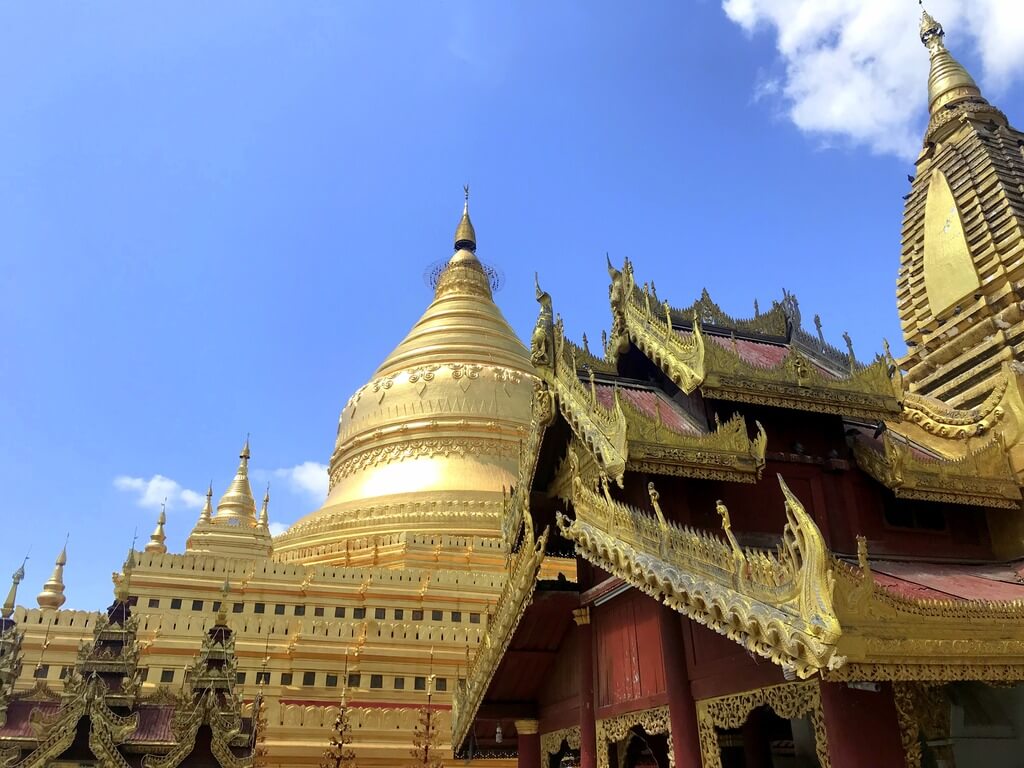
(52, 597)
(225, 590)
(245, 455)
(948, 81)
(263, 524)
(465, 235)
(237, 502)
(207, 513)
(16, 579)
(157, 539)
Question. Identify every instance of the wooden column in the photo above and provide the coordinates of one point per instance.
(756, 749)
(528, 745)
(588, 723)
(682, 710)
(862, 726)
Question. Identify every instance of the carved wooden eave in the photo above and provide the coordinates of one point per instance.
(776, 604)
(57, 732)
(799, 384)
(601, 429)
(694, 358)
(891, 637)
(189, 717)
(943, 421)
(508, 611)
(982, 476)
(543, 414)
(727, 453)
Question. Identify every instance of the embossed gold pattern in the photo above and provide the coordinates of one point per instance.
(615, 730)
(778, 605)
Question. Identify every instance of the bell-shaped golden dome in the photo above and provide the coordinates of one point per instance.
(431, 442)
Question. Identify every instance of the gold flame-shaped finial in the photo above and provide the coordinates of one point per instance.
(222, 614)
(12, 595)
(52, 596)
(948, 82)
(157, 540)
(207, 513)
(465, 235)
(263, 524)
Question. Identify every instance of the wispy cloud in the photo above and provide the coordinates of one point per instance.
(853, 69)
(276, 529)
(308, 479)
(151, 493)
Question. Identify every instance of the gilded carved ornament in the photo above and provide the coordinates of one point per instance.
(776, 604)
(616, 730)
(789, 701)
(982, 476)
(543, 413)
(508, 610)
(551, 742)
(603, 430)
(693, 359)
(887, 636)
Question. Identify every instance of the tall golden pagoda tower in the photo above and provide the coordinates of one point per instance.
(959, 288)
(390, 582)
(431, 442)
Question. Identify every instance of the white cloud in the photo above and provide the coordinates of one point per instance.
(153, 492)
(307, 479)
(854, 69)
(276, 529)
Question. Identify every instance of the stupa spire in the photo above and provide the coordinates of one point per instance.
(465, 235)
(12, 595)
(948, 81)
(157, 540)
(207, 512)
(237, 502)
(52, 597)
(263, 524)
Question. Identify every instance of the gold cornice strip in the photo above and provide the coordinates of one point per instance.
(603, 430)
(697, 361)
(778, 605)
(982, 476)
(543, 413)
(508, 610)
(727, 453)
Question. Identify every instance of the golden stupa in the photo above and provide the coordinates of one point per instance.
(389, 585)
(433, 440)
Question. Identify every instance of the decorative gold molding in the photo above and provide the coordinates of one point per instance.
(693, 360)
(551, 742)
(981, 477)
(614, 730)
(508, 610)
(543, 413)
(941, 420)
(727, 453)
(776, 604)
(581, 615)
(527, 727)
(788, 700)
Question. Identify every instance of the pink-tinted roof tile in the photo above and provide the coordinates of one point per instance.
(154, 724)
(19, 725)
(943, 581)
(655, 405)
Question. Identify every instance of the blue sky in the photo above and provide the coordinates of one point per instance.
(214, 218)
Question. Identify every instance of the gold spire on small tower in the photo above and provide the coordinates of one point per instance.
(157, 540)
(263, 524)
(237, 502)
(948, 81)
(12, 595)
(465, 235)
(52, 597)
(207, 513)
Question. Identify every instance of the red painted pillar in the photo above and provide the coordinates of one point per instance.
(588, 723)
(682, 710)
(528, 744)
(862, 726)
(756, 749)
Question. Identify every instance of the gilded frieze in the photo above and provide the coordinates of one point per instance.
(776, 604)
(615, 730)
(982, 476)
(508, 610)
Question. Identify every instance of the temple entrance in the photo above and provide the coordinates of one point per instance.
(641, 750)
(766, 740)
